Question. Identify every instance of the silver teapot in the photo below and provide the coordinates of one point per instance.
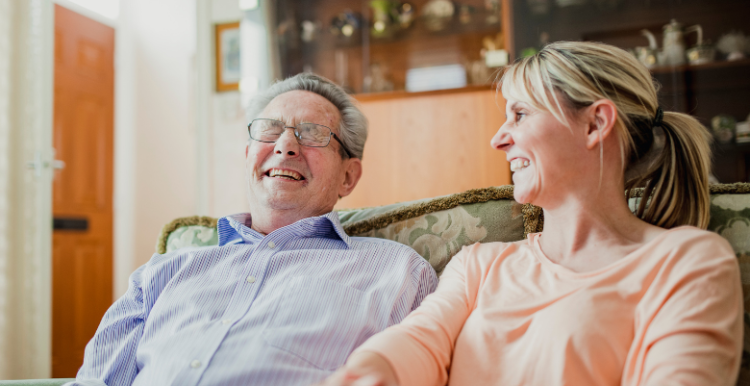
(673, 50)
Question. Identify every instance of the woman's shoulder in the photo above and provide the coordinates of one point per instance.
(689, 237)
(487, 254)
(688, 246)
(496, 247)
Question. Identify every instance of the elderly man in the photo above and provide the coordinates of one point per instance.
(286, 295)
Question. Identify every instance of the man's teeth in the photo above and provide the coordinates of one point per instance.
(518, 164)
(284, 173)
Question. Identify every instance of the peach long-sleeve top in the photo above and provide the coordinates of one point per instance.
(668, 313)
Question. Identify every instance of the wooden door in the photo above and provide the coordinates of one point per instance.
(82, 190)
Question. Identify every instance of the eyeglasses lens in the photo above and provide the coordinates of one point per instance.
(266, 130)
(311, 134)
(308, 134)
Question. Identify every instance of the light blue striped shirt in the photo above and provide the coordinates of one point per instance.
(284, 309)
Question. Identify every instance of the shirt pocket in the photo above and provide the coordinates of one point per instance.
(318, 320)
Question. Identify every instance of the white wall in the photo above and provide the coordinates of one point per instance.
(179, 145)
(228, 139)
(154, 126)
(227, 133)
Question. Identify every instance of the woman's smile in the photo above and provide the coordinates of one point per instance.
(517, 164)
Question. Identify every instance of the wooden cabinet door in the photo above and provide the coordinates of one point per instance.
(82, 190)
(429, 144)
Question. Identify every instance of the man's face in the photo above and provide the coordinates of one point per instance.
(286, 176)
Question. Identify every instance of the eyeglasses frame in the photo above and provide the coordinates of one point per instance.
(296, 134)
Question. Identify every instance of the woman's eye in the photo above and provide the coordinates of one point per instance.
(519, 116)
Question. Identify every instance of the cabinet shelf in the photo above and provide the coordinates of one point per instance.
(349, 61)
(327, 41)
(401, 94)
(721, 64)
(732, 147)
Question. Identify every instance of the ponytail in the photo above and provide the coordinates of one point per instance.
(676, 181)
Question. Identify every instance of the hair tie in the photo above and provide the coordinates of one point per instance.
(659, 116)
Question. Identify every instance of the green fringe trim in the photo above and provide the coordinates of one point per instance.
(735, 188)
(533, 216)
(161, 243)
(443, 203)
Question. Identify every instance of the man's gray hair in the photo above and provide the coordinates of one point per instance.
(353, 124)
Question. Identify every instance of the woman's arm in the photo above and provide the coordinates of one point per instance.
(694, 336)
(364, 368)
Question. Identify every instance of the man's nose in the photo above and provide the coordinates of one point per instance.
(287, 144)
(502, 140)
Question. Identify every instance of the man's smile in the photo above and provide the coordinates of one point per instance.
(285, 174)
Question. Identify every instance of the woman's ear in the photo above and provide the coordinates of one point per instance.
(600, 120)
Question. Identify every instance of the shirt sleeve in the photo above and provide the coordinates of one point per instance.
(419, 349)
(419, 281)
(109, 358)
(695, 335)
(426, 279)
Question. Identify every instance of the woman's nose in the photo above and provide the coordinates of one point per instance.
(502, 140)
(287, 143)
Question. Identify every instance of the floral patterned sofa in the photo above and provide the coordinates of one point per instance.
(437, 228)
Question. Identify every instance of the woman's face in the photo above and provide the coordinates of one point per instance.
(545, 156)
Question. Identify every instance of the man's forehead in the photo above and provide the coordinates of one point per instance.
(302, 106)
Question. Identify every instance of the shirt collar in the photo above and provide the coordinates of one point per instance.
(236, 229)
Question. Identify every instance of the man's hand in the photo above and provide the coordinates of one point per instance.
(363, 369)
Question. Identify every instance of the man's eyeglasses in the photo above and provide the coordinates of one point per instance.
(307, 134)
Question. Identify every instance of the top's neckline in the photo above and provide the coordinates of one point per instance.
(544, 260)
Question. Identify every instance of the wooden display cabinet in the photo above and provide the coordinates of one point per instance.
(348, 60)
(432, 143)
(420, 145)
(704, 91)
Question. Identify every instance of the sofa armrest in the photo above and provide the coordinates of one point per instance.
(37, 382)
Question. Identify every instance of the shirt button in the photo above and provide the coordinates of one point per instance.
(271, 245)
(226, 321)
(195, 364)
(250, 279)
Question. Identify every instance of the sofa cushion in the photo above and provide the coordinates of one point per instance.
(436, 228)
(193, 231)
(730, 218)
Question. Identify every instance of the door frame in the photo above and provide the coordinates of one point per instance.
(27, 273)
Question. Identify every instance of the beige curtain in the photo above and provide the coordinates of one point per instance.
(26, 36)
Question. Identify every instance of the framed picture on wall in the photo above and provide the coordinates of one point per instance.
(228, 70)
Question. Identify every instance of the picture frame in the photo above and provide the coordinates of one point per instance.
(227, 43)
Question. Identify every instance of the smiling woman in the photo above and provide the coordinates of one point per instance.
(668, 151)
(603, 296)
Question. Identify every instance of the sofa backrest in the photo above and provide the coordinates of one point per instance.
(437, 228)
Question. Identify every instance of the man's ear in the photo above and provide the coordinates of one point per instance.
(352, 174)
(600, 120)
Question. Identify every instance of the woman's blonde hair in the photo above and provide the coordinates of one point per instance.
(668, 154)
